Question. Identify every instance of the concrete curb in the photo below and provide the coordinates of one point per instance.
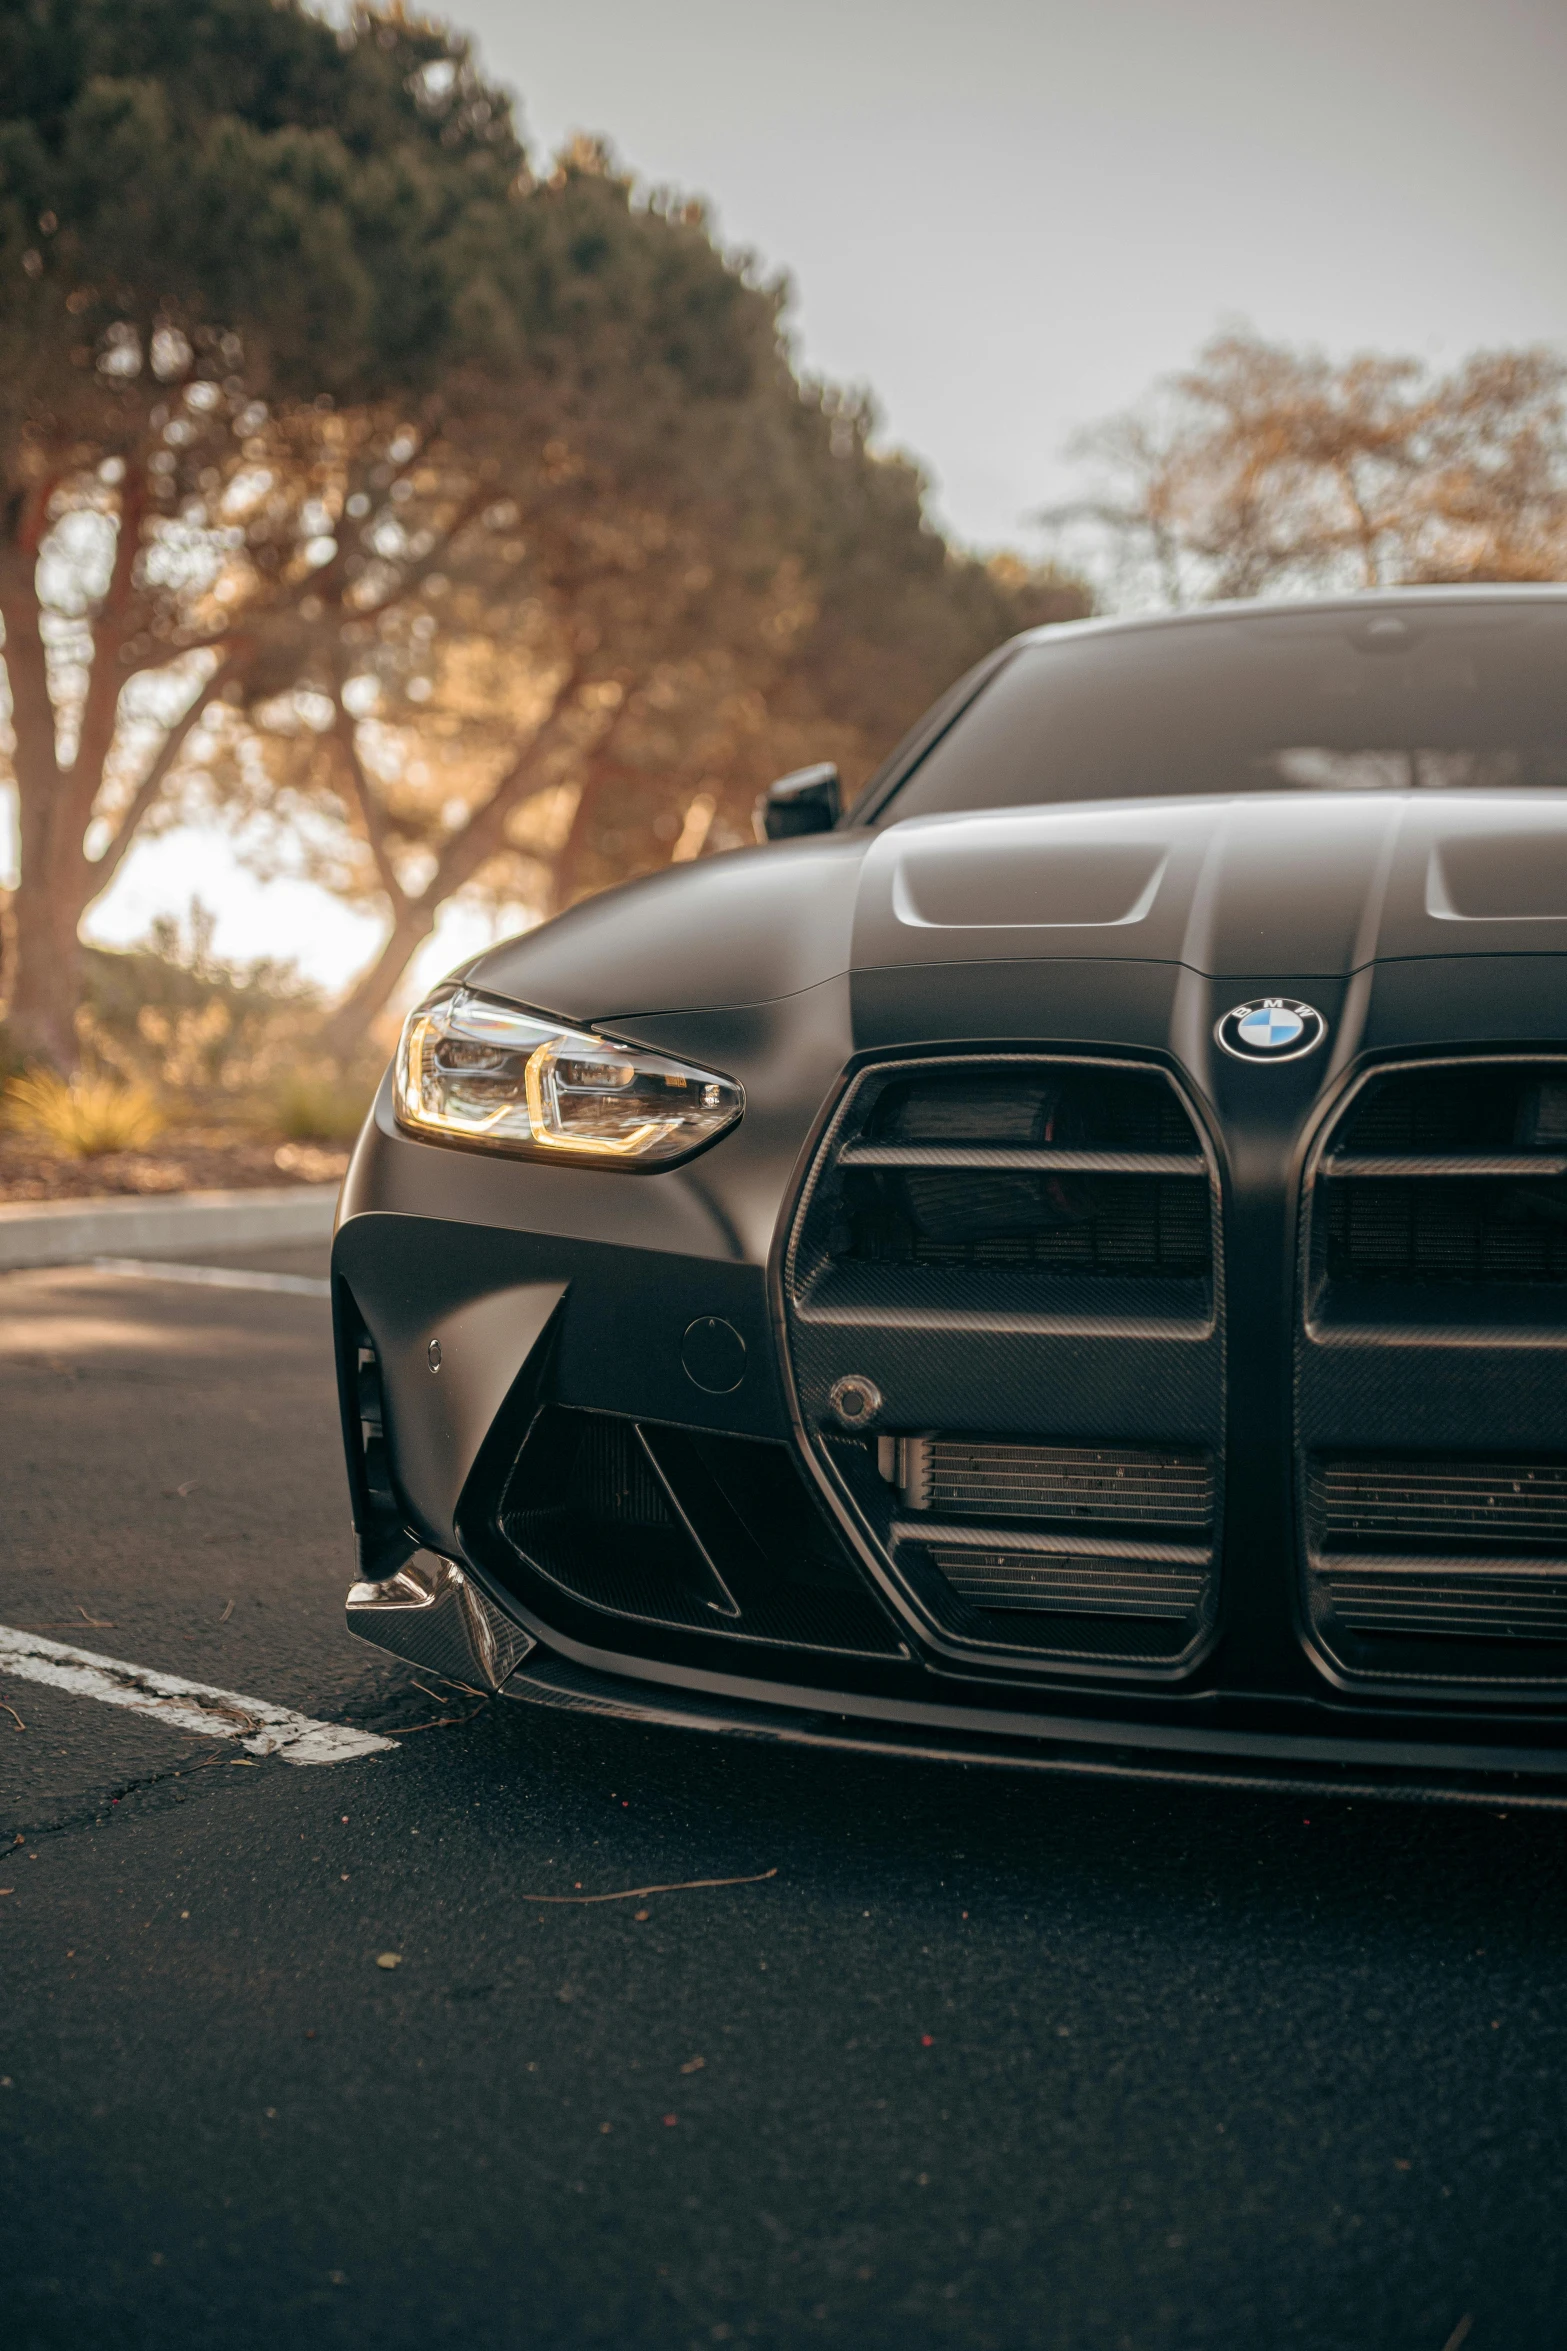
(68, 1232)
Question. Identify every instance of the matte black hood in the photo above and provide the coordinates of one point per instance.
(1292, 882)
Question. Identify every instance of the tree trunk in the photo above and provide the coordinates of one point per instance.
(344, 1033)
(58, 882)
(49, 900)
(47, 980)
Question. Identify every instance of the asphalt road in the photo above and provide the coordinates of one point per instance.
(991, 2061)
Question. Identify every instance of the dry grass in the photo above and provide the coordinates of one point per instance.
(82, 1117)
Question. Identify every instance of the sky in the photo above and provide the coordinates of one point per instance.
(1010, 220)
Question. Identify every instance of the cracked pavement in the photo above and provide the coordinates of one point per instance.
(991, 2063)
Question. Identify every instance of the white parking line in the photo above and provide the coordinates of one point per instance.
(258, 1725)
(213, 1277)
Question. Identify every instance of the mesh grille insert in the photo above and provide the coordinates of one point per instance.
(1118, 1110)
(1451, 1175)
(1086, 1224)
(1446, 1230)
(1063, 1169)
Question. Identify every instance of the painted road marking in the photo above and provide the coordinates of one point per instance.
(258, 1725)
(213, 1277)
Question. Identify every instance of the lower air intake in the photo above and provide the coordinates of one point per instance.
(683, 1529)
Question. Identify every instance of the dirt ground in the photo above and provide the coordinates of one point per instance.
(195, 1159)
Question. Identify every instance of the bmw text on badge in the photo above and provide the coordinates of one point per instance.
(1271, 1028)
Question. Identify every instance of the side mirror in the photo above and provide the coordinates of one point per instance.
(809, 801)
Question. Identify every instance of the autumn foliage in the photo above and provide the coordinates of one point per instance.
(1264, 470)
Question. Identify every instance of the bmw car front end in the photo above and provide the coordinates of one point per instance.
(1065, 1265)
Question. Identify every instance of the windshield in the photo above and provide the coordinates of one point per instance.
(1390, 698)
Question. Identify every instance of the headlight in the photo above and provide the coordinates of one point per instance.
(475, 1071)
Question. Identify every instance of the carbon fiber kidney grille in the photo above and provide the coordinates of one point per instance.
(1019, 1256)
(1436, 1300)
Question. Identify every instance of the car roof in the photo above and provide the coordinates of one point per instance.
(1448, 594)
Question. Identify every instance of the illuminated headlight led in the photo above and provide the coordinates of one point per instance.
(471, 1070)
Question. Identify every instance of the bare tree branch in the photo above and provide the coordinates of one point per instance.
(106, 677)
(371, 815)
(157, 774)
(485, 831)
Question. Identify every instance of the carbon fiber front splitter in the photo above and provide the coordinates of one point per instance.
(1410, 1774)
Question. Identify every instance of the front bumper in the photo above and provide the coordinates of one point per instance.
(492, 1295)
(438, 1618)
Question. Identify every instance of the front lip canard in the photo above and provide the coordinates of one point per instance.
(438, 1246)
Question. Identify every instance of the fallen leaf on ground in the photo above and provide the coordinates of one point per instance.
(228, 1610)
(693, 2065)
(389, 1959)
(633, 1893)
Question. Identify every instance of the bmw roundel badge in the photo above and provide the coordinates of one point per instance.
(1271, 1028)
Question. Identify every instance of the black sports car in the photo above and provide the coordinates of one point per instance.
(1064, 1264)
